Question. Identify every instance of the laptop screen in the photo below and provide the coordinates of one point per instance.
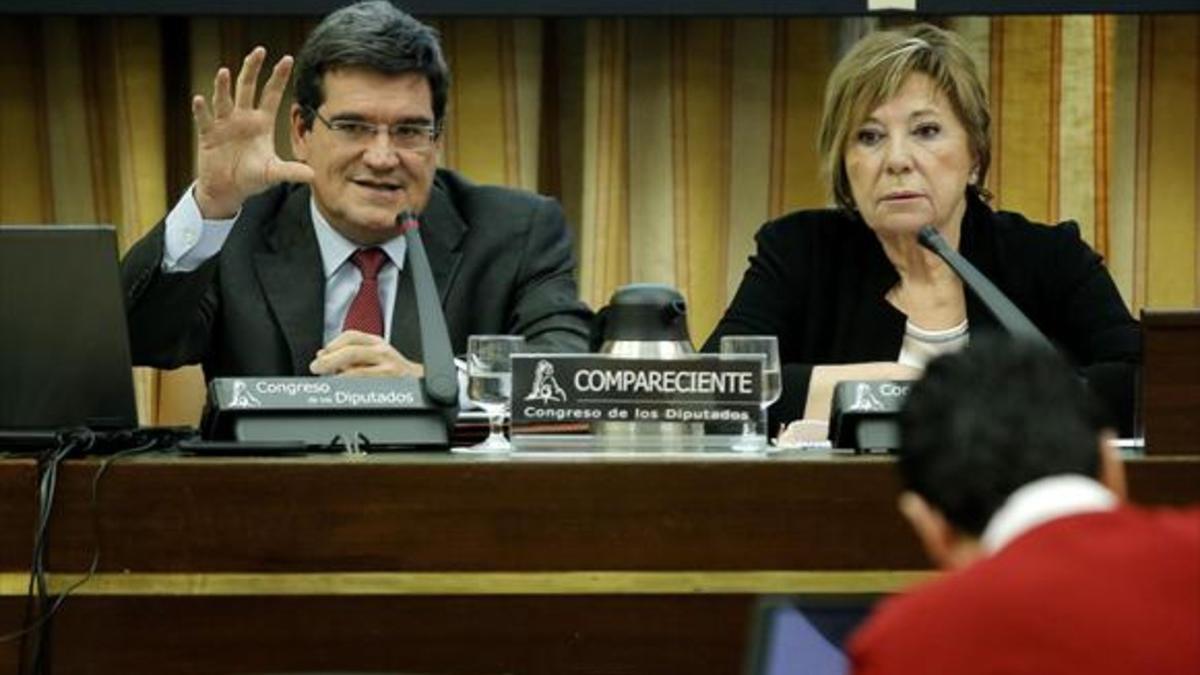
(798, 635)
(64, 343)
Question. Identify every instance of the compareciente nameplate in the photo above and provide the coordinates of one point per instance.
(596, 388)
(317, 393)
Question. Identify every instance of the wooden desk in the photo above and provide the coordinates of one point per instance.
(1170, 391)
(440, 564)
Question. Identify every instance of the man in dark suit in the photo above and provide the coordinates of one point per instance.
(1012, 484)
(273, 267)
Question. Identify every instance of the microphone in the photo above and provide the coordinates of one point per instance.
(406, 221)
(864, 412)
(441, 379)
(1013, 320)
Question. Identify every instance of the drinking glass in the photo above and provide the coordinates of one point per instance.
(772, 385)
(489, 384)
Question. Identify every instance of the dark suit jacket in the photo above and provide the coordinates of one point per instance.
(819, 278)
(501, 259)
(1114, 592)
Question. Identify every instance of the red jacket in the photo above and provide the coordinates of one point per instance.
(1107, 592)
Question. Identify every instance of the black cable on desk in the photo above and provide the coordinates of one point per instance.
(35, 640)
(40, 608)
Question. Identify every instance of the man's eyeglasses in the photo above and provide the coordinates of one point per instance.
(404, 135)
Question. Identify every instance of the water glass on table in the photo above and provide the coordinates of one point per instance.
(489, 385)
(772, 384)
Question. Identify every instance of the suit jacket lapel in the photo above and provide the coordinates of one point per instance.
(442, 231)
(289, 269)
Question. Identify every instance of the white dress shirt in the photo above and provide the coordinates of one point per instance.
(342, 277)
(920, 346)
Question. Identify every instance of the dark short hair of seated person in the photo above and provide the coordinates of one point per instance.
(983, 422)
(366, 35)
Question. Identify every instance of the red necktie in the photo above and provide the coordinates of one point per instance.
(365, 314)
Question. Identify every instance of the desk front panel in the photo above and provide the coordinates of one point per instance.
(434, 564)
(435, 513)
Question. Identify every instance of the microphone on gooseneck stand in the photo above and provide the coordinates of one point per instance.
(406, 221)
(441, 379)
(1013, 320)
(864, 414)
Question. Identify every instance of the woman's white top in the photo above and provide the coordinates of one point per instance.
(920, 345)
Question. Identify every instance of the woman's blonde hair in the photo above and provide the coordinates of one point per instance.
(875, 69)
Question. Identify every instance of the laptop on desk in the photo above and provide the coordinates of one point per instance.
(64, 342)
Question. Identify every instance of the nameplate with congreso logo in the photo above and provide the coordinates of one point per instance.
(558, 389)
(316, 393)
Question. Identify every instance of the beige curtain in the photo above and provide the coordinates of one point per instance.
(1097, 121)
(695, 132)
(669, 141)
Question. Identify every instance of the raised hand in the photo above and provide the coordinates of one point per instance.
(236, 151)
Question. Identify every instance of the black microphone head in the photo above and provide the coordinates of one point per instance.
(929, 238)
(406, 220)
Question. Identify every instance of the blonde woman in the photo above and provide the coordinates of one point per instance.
(851, 294)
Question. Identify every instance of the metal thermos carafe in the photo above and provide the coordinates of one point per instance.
(647, 321)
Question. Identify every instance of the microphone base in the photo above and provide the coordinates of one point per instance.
(866, 413)
(374, 432)
(881, 434)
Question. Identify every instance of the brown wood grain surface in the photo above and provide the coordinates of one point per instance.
(432, 513)
(18, 513)
(583, 635)
(1170, 405)
(429, 513)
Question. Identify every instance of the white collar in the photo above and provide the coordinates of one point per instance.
(1041, 501)
(336, 249)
